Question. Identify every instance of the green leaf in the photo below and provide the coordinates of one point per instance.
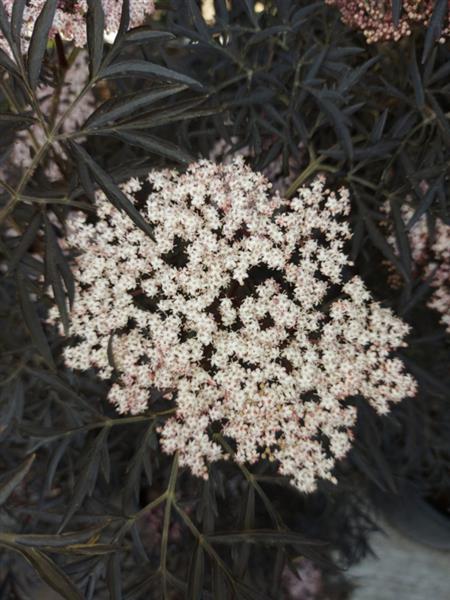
(140, 461)
(142, 68)
(269, 32)
(88, 476)
(27, 239)
(52, 274)
(417, 295)
(426, 202)
(8, 64)
(95, 25)
(178, 112)
(50, 573)
(32, 321)
(196, 574)
(372, 459)
(18, 120)
(144, 584)
(442, 73)
(38, 43)
(54, 382)
(155, 145)
(140, 35)
(55, 459)
(17, 20)
(263, 536)
(249, 6)
(14, 478)
(245, 592)
(112, 191)
(118, 42)
(402, 237)
(435, 27)
(61, 540)
(338, 121)
(105, 463)
(354, 74)
(442, 119)
(124, 21)
(125, 106)
(113, 577)
(4, 24)
(378, 128)
(379, 240)
(84, 175)
(220, 587)
(416, 80)
(198, 20)
(396, 11)
(14, 393)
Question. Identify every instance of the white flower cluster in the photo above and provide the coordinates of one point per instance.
(430, 253)
(53, 104)
(376, 21)
(224, 152)
(239, 314)
(70, 18)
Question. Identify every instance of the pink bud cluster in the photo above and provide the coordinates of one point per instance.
(374, 18)
(70, 17)
(430, 253)
(238, 313)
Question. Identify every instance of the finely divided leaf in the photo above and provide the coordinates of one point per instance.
(38, 43)
(17, 20)
(50, 573)
(196, 574)
(416, 80)
(396, 11)
(434, 27)
(27, 239)
(125, 106)
(112, 191)
(33, 321)
(12, 479)
(156, 146)
(142, 68)
(88, 476)
(95, 24)
(4, 24)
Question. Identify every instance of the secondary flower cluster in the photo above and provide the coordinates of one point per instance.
(54, 103)
(375, 19)
(70, 17)
(430, 253)
(238, 312)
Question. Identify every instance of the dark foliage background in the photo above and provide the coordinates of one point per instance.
(86, 499)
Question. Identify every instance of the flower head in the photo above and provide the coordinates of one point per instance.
(239, 313)
(70, 18)
(430, 253)
(375, 18)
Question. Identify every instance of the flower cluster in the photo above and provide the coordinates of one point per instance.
(53, 104)
(375, 19)
(430, 253)
(239, 313)
(223, 152)
(70, 17)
